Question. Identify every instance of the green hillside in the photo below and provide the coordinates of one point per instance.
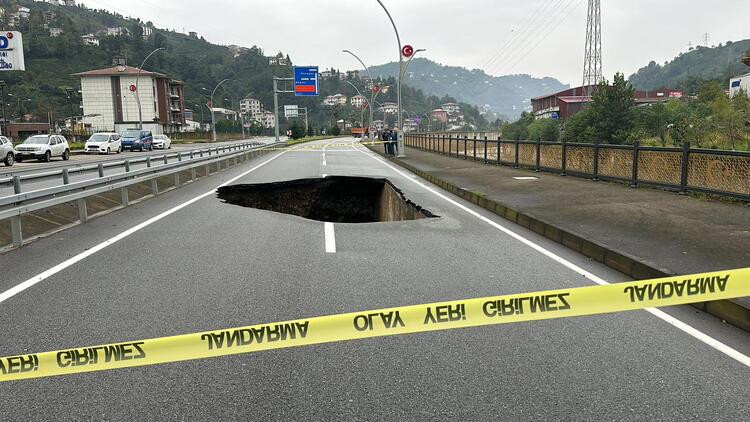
(50, 61)
(689, 70)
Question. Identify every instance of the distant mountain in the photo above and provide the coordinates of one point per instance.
(506, 95)
(703, 63)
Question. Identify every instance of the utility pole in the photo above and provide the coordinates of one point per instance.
(213, 115)
(276, 93)
(70, 91)
(706, 39)
(398, 84)
(592, 63)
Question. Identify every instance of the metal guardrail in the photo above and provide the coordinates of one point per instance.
(13, 207)
(719, 172)
(64, 173)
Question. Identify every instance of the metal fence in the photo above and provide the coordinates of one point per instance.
(720, 172)
(27, 215)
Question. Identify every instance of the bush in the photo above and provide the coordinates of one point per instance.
(545, 130)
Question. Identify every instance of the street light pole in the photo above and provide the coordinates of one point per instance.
(372, 96)
(213, 115)
(398, 81)
(2, 97)
(137, 94)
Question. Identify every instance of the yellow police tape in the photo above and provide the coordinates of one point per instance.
(320, 147)
(384, 322)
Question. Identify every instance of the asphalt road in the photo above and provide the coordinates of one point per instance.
(78, 160)
(212, 265)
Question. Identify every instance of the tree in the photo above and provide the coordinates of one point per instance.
(612, 110)
(544, 130)
(335, 130)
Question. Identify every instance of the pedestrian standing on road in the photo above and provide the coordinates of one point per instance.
(384, 137)
(394, 142)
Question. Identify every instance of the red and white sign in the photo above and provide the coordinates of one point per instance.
(407, 51)
(376, 88)
(133, 88)
(210, 104)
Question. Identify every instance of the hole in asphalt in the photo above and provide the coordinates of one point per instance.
(335, 199)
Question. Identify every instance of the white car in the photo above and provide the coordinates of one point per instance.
(7, 152)
(43, 148)
(103, 143)
(162, 142)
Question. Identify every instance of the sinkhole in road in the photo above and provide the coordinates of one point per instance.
(335, 199)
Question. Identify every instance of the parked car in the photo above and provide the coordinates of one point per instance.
(162, 142)
(7, 152)
(137, 140)
(103, 143)
(43, 148)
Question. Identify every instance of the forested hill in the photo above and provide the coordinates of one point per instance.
(688, 70)
(507, 95)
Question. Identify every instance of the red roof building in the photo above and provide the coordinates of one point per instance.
(569, 102)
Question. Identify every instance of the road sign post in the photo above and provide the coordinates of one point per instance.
(306, 81)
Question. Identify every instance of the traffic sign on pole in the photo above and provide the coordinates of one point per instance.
(133, 88)
(376, 88)
(407, 51)
(306, 81)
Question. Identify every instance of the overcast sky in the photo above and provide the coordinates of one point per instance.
(539, 37)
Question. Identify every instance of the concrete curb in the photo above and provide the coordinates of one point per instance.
(639, 269)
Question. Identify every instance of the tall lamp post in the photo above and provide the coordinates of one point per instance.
(372, 96)
(137, 95)
(362, 116)
(2, 99)
(213, 115)
(398, 86)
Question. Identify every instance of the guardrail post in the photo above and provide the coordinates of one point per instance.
(127, 166)
(191, 155)
(564, 163)
(475, 147)
(148, 161)
(466, 146)
(125, 199)
(201, 153)
(518, 147)
(166, 160)
(538, 155)
(498, 151)
(100, 168)
(596, 162)
(485, 149)
(16, 231)
(65, 176)
(685, 167)
(179, 156)
(636, 157)
(83, 214)
(16, 184)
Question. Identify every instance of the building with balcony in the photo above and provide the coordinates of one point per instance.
(110, 102)
(337, 99)
(252, 108)
(358, 101)
(224, 114)
(439, 115)
(451, 108)
(388, 108)
(90, 39)
(268, 120)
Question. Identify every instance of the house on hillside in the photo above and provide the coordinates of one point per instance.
(90, 39)
(358, 101)
(55, 32)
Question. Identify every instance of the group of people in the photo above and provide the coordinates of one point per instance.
(390, 141)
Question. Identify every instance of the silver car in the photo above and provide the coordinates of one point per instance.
(7, 152)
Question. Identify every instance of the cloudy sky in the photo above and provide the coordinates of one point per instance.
(539, 37)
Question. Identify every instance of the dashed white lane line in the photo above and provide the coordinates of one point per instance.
(330, 235)
(83, 255)
(697, 334)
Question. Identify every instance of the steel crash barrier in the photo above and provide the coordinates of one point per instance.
(72, 201)
(686, 169)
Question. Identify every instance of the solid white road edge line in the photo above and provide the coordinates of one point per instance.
(330, 235)
(83, 255)
(705, 338)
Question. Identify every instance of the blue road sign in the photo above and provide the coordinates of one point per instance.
(555, 116)
(306, 81)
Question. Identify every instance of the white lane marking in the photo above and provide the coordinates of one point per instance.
(526, 178)
(325, 175)
(694, 332)
(330, 235)
(83, 255)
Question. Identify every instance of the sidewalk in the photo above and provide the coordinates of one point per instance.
(664, 231)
